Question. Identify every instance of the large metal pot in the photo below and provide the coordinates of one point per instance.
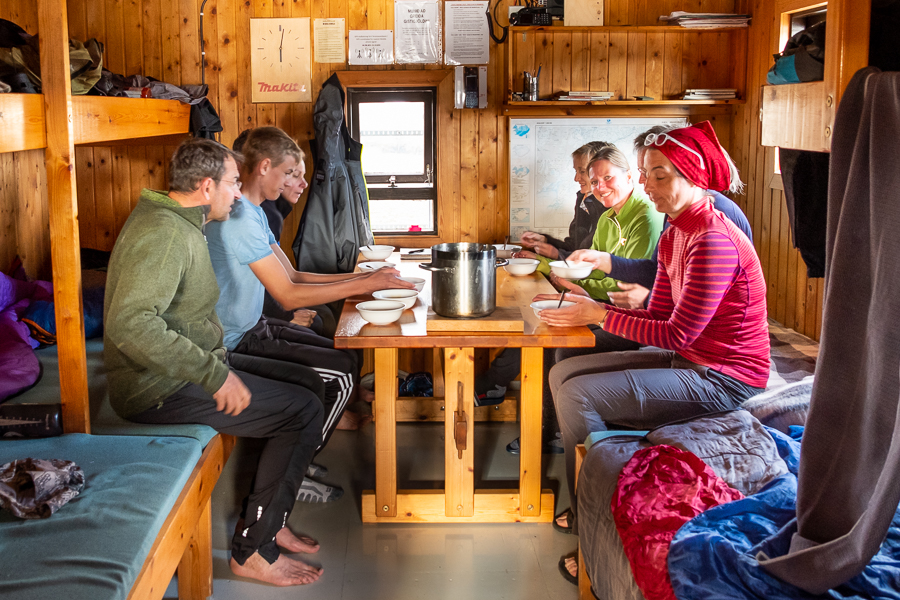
(464, 279)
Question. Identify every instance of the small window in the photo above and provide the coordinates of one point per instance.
(396, 129)
(806, 19)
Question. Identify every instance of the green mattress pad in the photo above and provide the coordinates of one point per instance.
(94, 547)
(104, 420)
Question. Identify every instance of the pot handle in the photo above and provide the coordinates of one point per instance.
(432, 268)
(501, 262)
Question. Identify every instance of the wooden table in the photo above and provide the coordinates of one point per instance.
(460, 502)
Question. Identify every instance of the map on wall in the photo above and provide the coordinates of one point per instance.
(541, 180)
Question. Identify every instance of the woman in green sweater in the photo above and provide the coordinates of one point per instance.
(629, 228)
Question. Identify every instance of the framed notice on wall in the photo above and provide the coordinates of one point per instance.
(541, 180)
(417, 31)
(280, 60)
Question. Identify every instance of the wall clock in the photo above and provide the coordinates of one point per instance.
(280, 60)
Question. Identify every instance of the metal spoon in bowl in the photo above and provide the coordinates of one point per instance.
(561, 296)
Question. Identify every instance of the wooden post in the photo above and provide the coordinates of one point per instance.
(65, 247)
(459, 472)
(437, 372)
(195, 574)
(385, 432)
(530, 433)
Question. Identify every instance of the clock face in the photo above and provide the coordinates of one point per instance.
(280, 60)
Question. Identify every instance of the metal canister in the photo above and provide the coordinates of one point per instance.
(464, 279)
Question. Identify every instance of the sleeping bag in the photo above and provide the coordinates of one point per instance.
(714, 556)
(19, 367)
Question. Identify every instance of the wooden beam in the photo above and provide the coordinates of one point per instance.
(104, 119)
(386, 431)
(431, 410)
(427, 506)
(459, 466)
(65, 247)
(530, 431)
(425, 77)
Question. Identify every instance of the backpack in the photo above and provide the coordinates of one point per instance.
(803, 58)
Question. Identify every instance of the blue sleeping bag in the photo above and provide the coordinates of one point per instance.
(713, 555)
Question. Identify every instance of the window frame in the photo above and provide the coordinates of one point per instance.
(444, 166)
(426, 95)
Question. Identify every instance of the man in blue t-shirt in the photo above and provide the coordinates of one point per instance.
(248, 262)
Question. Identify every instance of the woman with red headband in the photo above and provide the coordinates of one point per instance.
(707, 311)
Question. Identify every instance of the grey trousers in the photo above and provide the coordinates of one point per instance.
(506, 366)
(634, 390)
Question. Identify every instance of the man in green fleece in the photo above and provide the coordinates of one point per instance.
(165, 358)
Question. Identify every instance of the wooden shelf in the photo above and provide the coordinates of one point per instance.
(97, 120)
(620, 29)
(526, 104)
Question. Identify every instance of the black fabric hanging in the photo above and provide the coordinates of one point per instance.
(335, 221)
(805, 178)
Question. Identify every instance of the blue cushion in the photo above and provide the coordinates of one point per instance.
(104, 420)
(599, 436)
(94, 547)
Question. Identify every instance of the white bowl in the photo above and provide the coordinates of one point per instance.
(416, 281)
(380, 312)
(506, 250)
(521, 266)
(406, 297)
(545, 304)
(574, 270)
(375, 265)
(376, 252)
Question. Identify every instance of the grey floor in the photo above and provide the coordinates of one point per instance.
(398, 562)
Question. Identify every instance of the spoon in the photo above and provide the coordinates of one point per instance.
(561, 296)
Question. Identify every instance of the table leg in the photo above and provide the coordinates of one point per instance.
(530, 433)
(459, 472)
(385, 432)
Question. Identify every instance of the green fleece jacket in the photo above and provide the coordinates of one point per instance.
(161, 331)
(633, 233)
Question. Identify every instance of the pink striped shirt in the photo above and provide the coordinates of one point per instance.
(709, 299)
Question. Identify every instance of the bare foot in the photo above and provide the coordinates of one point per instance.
(292, 542)
(366, 395)
(563, 520)
(352, 421)
(572, 566)
(283, 572)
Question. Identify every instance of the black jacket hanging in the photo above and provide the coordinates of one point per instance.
(335, 221)
(805, 178)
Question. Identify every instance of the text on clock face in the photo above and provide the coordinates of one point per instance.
(280, 87)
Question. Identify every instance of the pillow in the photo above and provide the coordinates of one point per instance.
(784, 406)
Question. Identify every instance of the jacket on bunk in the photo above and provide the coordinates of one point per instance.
(161, 329)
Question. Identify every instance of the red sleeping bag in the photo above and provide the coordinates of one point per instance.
(660, 489)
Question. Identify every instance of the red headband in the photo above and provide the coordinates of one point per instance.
(696, 153)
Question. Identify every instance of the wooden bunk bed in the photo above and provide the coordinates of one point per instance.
(58, 122)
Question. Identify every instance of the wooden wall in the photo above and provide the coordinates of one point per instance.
(160, 38)
(24, 221)
(793, 299)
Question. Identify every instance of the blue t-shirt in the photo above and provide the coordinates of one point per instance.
(233, 244)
